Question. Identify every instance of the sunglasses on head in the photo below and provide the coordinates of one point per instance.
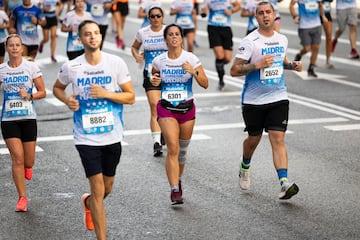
(156, 16)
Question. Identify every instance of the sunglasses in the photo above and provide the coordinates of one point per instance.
(156, 16)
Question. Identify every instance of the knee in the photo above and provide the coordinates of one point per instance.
(183, 150)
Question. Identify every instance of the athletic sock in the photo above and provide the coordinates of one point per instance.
(283, 175)
(245, 164)
(219, 64)
(156, 136)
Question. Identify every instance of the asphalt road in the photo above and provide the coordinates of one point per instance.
(323, 147)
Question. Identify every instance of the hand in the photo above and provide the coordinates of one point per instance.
(188, 68)
(72, 103)
(296, 19)
(34, 20)
(97, 91)
(155, 79)
(139, 58)
(24, 94)
(267, 61)
(297, 66)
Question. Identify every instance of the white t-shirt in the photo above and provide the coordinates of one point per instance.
(184, 18)
(12, 79)
(217, 16)
(344, 4)
(176, 83)
(153, 44)
(72, 19)
(99, 121)
(264, 85)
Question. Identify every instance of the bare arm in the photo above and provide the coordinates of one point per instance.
(59, 93)
(127, 96)
(241, 67)
(198, 73)
(293, 11)
(135, 51)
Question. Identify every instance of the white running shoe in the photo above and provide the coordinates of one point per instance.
(244, 180)
(288, 190)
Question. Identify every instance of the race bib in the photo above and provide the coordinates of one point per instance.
(97, 118)
(28, 28)
(183, 21)
(271, 75)
(17, 108)
(311, 6)
(174, 96)
(219, 19)
(97, 10)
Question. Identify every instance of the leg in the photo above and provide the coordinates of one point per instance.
(153, 97)
(171, 131)
(249, 145)
(45, 39)
(29, 154)
(190, 37)
(328, 31)
(96, 204)
(16, 150)
(219, 64)
(186, 130)
(53, 40)
(353, 36)
(314, 53)
(277, 141)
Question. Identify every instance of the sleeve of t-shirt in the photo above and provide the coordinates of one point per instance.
(63, 74)
(123, 74)
(36, 72)
(244, 51)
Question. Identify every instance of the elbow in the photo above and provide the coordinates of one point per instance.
(131, 99)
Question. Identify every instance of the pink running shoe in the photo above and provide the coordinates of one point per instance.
(28, 173)
(21, 205)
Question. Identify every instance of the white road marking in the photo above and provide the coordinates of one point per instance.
(348, 127)
(6, 151)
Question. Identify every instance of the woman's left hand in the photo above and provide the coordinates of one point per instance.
(23, 93)
(187, 67)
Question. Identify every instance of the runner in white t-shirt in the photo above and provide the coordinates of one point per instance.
(99, 92)
(151, 40)
(18, 79)
(261, 57)
(175, 71)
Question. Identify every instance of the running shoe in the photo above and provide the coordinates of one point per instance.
(333, 45)
(354, 54)
(87, 213)
(21, 205)
(329, 66)
(117, 41)
(28, 173)
(297, 57)
(288, 190)
(41, 47)
(176, 197)
(244, 180)
(157, 149)
(311, 73)
(122, 44)
(53, 59)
